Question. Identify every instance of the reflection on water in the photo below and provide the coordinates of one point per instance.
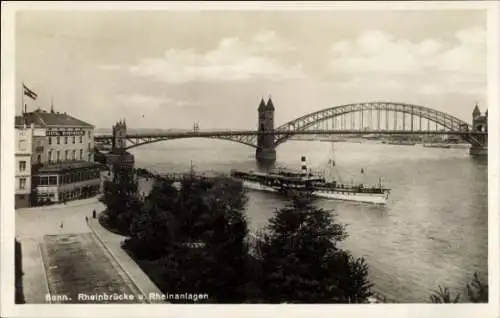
(433, 231)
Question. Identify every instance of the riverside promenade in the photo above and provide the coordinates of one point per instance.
(35, 225)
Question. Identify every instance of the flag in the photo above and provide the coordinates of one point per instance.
(28, 92)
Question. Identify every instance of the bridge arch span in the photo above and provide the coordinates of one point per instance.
(150, 140)
(287, 130)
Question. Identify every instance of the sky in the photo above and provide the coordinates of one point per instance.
(164, 69)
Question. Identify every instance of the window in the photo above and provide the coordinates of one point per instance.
(39, 159)
(73, 139)
(74, 155)
(81, 139)
(52, 180)
(65, 140)
(81, 154)
(50, 155)
(44, 180)
(58, 154)
(89, 133)
(66, 155)
(22, 183)
(22, 144)
(22, 165)
(58, 140)
(50, 140)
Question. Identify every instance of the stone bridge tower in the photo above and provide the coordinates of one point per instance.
(266, 150)
(119, 158)
(479, 124)
(119, 136)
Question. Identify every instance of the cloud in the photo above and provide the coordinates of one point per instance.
(378, 60)
(144, 102)
(233, 59)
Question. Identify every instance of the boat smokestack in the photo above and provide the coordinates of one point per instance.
(303, 165)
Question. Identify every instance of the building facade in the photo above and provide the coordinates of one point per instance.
(23, 153)
(62, 157)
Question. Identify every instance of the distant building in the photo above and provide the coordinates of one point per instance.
(62, 160)
(23, 149)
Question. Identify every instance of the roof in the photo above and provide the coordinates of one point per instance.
(67, 166)
(270, 104)
(476, 110)
(262, 105)
(44, 119)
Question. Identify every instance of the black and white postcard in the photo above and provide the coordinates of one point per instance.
(250, 159)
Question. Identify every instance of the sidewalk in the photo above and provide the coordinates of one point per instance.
(32, 224)
(112, 243)
(61, 205)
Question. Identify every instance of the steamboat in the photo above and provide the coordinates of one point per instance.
(283, 181)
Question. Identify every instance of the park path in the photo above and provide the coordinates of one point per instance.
(33, 224)
(112, 243)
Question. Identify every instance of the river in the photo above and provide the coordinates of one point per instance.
(433, 231)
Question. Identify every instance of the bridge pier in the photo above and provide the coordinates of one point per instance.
(478, 151)
(267, 155)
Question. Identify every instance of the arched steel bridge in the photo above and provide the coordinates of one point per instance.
(351, 119)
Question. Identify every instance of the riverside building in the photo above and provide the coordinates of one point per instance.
(23, 151)
(62, 156)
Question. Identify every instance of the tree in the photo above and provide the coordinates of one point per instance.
(301, 261)
(351, 277)
(155, 228)
(443, 295)
(211, 212)
(477, 291)
(121, 200)
(197, 236)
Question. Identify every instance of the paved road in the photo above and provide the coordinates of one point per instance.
(33, 224)
(79, 270)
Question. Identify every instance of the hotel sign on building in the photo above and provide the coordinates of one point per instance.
(63, 167)
(39, 132)
(65, 131)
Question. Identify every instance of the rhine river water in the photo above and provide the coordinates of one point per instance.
(433, 231)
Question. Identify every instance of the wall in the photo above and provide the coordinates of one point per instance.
(87, 145)
(23, 144)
